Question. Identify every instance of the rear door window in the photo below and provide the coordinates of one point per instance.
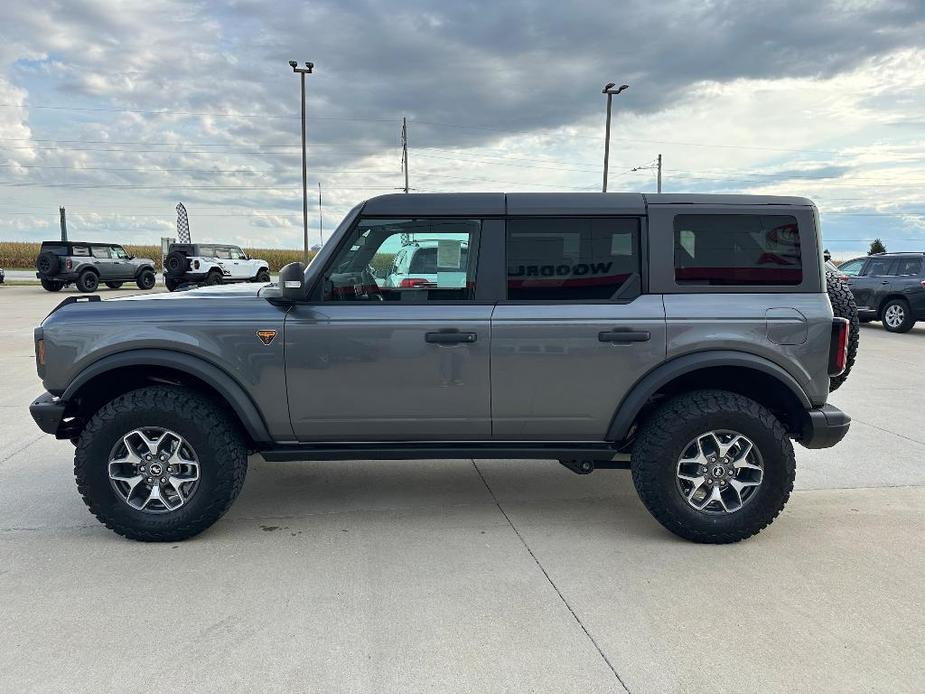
(909, 267)
(737, 249)
(101, 252)
(551, 259)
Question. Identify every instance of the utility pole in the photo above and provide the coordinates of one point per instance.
(63, 224)
(302, 71)
(609, 91)
(659, 173)
(320, 216)
(404, 149)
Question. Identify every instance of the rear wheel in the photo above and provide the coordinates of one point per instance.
(171, 284)
(88, 281)
(146, 279)
(214, 277)
(843, 306)
(160, 464)
(896, 316)
(52, 285)
(713, 466)
(114, 285)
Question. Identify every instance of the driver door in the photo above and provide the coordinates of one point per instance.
(369, 361)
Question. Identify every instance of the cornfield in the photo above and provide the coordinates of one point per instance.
(21, 255)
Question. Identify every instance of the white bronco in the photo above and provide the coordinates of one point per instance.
(211, 263)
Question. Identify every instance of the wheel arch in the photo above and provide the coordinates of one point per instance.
(739, 372)
(142, 268)
(119, 373)
(887, 299)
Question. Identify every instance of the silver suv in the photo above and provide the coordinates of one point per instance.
(688, 338)
(87, 265)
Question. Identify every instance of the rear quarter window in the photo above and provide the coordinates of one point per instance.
(737, 250)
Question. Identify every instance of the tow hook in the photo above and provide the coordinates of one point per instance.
(579, 467)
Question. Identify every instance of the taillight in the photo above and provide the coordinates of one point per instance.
(68, 264)
(195, 264)
(411, 282)
(923, 284)
(838, 347)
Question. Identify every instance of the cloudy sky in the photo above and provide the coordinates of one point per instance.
(118, 110)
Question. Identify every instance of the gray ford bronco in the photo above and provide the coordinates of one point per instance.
(688, 338)
(87, 265)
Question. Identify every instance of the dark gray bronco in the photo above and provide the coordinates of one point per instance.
(688, 338)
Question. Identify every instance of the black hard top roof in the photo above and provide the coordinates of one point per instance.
(81, 243)
(409, 204)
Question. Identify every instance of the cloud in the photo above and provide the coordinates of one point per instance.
(499, 95)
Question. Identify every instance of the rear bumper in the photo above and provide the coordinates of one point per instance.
(49, 413)
(824, 426)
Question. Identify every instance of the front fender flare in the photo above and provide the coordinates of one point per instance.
(649, 384)
(227, 387)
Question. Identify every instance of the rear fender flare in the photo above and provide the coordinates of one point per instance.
(628, 409)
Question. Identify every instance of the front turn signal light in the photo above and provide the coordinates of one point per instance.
(40, 352)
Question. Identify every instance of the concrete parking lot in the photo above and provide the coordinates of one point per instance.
(492, 576)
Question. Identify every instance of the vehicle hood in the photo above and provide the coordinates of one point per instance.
(227, 291)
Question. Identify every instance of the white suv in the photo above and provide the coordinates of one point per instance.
(430, 263)
(211, 263)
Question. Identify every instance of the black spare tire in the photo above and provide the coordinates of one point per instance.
(47, 263)
(843, 306)
(176, 263)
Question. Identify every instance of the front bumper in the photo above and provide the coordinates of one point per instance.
(50, 414)
(824, 426)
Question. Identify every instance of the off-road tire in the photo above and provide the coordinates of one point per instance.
(52, 285)
(146, 279)
(262, 276)
(47, 263)
(665, 434)
(214, 277)
(908, 318)
(176, 263)
(88, 281)
(206, 425)
(843, 306)
(171, 284)
(114, 285)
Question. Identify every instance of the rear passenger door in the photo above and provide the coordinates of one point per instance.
(103, 262)
(873, 284)
(575, 329)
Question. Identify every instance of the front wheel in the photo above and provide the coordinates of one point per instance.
(263, 276)
(713, 466)
(160, 464)
(146, 280)
(897, 318)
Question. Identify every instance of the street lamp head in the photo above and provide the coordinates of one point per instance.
(310, 66)
(293, 64)
(608, 87)
(622, 87)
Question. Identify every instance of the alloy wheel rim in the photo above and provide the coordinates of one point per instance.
(719, 472)
(894, 316)
(153, 470)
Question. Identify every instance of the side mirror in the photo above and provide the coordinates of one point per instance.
(292, 282)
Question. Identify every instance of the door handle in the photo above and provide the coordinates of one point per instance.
(447, 337)
(622, 336)
(885, 282)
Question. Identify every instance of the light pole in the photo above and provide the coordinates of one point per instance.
(609, 91)
(302, 71)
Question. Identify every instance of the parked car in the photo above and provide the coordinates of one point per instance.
(429, 263)
(86, 265)
(888, 287)
(687, 337)
(2, 276)
(210, 264)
